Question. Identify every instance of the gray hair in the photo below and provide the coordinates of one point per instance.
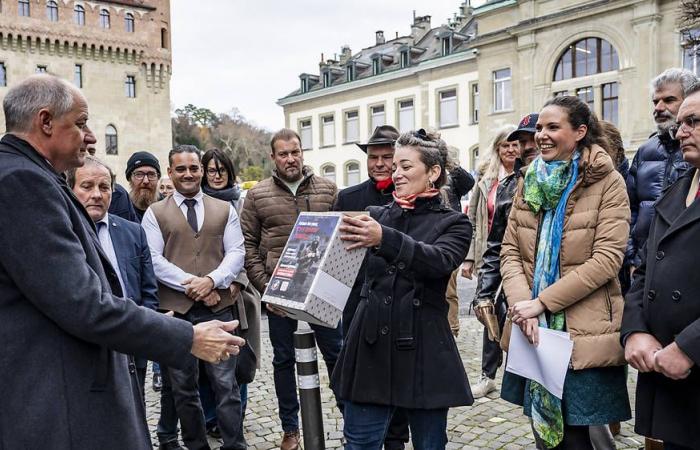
(90, 161)
(37, 92)
(695, 87)
(676, 75)
(184, 148)
(432, 149)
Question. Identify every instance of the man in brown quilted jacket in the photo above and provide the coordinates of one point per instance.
(269, 212)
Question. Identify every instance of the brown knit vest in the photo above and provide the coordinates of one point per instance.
(195, 253)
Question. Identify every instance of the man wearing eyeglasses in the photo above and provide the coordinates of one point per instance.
(658, 162)
(661, 321)
(197, 250)
(143, 173)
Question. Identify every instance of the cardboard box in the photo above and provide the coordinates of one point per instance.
(314, 276)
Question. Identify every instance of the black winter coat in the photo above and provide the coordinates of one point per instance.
(399, 350)
(657, 164)
(359, 198)
(664, 300)
(66, 384)
(459, 183)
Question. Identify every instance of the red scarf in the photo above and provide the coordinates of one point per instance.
(409, 202)
(383, 184)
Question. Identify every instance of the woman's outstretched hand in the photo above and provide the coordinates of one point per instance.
(361, 231)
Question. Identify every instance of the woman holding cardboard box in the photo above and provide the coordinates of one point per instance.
(399, 352)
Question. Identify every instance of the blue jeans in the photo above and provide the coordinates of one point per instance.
(366, 425)
(282, 331)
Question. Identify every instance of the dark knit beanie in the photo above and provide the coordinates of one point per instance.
(140, 159)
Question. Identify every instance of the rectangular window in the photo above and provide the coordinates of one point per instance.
(404, 59)
(406, 116)
(326, 78)
(475, 103)
(448, 108)
(376, 66)
(350, 72)
(305, 134)
(610, 102)
(304, 85)
(41, 69)
(79, 15)
(378, 117)
(3, 75)
(560, 93)
(446, 46)
(327, 131)
(23, 8)
(586, 95)
(352, 126)
(78, 75)
(691, 52)
(130, 86)
(502, 94)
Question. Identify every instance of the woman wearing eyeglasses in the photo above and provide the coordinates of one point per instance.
(219, 178)
(399, 351)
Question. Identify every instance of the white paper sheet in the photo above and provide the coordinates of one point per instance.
(547, 363)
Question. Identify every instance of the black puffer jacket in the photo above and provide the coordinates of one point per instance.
(657, 165)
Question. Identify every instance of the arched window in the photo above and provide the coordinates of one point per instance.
(129, 21)
(587, 56)
(352, 173)
(163, 38)
(111, 140)
(104, 18)
(79, 15)
(328, 172)
(52, 11)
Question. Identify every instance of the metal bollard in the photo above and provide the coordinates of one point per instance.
(308, 382)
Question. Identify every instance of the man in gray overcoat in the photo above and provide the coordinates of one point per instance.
(65, 330)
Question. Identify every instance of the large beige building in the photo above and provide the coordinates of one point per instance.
(489, 66)
(116, 52)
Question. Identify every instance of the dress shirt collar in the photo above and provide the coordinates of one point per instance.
(104, 220)
(179, 198)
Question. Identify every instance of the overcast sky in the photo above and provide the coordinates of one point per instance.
(248, 53)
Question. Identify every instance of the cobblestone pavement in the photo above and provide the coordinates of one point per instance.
(490, 423)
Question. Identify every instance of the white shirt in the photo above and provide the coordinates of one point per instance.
(171, 275)
(108, 247)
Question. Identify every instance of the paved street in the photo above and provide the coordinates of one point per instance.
(490, 423)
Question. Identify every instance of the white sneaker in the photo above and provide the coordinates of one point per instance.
(483, 387)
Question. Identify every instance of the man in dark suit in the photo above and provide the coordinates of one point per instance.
(124, 242)
(661, 321)
(65, 332)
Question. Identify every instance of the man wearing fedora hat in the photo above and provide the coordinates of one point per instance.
(375, 191)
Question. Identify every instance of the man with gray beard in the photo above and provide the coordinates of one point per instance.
(657, 164)
(143, 173)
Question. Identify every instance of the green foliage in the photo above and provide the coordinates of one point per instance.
(252, 173)
(246, 144)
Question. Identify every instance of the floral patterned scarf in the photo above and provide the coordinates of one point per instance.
(547, 187)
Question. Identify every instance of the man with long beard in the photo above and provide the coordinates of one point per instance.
(143, 173)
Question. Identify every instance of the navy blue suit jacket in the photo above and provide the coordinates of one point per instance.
(135, 266)
(134, 259)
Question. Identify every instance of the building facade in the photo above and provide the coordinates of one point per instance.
(489, 66)
(116, 52)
